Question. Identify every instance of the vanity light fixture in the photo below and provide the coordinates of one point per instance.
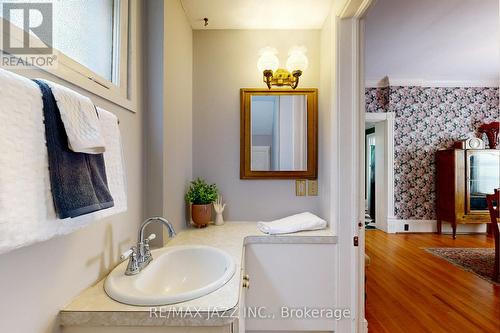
(268, 64)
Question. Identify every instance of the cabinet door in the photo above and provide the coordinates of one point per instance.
(483, 176)
(285, 281)
(145, 329)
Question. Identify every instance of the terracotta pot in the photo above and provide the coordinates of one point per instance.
(201, 214)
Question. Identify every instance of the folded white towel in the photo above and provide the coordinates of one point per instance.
(26, 206)
(294, 223)
(80, 120)
(113, 159)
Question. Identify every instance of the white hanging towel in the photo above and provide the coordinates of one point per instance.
(26, 206)
(80, 120)
(294, 223)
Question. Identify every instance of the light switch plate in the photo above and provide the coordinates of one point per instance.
(312, 187)
(300, 187)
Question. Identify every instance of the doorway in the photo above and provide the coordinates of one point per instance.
(370, 179)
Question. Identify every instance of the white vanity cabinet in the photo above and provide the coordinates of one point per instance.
(285, 277)
(295, 271)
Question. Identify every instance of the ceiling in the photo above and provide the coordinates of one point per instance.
(257, 14)
(445, 40)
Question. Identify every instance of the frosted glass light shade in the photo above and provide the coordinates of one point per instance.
(268, 59)
(297, 59)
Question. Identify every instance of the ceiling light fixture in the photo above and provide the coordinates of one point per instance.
(268, 64)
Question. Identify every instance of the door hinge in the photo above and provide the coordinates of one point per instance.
(356, 240)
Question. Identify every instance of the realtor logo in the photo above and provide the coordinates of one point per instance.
(34, 19)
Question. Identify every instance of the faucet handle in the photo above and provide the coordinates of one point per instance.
(150, 238)
(133, 263)
(130, 252)
(146, 254)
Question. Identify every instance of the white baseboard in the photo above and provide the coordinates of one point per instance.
(364, 326)
(414, 226)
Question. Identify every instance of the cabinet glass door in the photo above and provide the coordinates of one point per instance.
(483, 175)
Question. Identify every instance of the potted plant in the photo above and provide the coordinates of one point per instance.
(201, 196)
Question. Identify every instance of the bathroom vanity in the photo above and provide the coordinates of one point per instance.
(295, 270)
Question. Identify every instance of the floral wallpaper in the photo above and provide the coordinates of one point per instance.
(427, 119)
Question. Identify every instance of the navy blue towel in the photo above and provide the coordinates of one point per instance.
(78, 181)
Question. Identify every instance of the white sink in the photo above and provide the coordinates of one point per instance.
(176, 274)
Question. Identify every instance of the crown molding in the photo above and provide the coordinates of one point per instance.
(386, 82)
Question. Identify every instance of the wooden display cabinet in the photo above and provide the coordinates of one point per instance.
(463, 178)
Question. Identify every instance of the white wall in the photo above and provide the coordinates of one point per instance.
(178, 122)
(327, 119)
(224, 62)
(154, 113)
(169, 117)
(433, 40)
(38, 280)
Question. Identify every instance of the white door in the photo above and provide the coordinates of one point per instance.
(261, 158)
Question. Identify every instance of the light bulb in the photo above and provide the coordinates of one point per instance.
(297, 59)
(268, 59)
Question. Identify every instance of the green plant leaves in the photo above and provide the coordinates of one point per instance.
(201, 193)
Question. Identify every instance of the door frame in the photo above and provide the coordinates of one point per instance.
(387, 200)
(350, 117)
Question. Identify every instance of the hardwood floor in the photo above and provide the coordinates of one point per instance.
(410, 290)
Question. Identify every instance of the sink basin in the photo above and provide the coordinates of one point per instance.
(176, 274)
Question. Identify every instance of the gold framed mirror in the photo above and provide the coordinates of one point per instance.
(279, 134)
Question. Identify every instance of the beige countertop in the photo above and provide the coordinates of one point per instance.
(94, 308)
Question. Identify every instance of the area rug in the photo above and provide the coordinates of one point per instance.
(476, 260)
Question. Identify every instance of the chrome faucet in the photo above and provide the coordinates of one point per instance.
(140, 255)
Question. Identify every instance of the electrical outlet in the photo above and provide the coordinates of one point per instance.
(300, 187)
(312, 187)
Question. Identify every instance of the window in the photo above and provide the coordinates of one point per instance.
(90, 38)
(90, 42)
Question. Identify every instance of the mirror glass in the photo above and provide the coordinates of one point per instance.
(278, 132)
(484, 178)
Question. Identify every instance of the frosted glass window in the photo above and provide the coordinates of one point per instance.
(82, 30)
